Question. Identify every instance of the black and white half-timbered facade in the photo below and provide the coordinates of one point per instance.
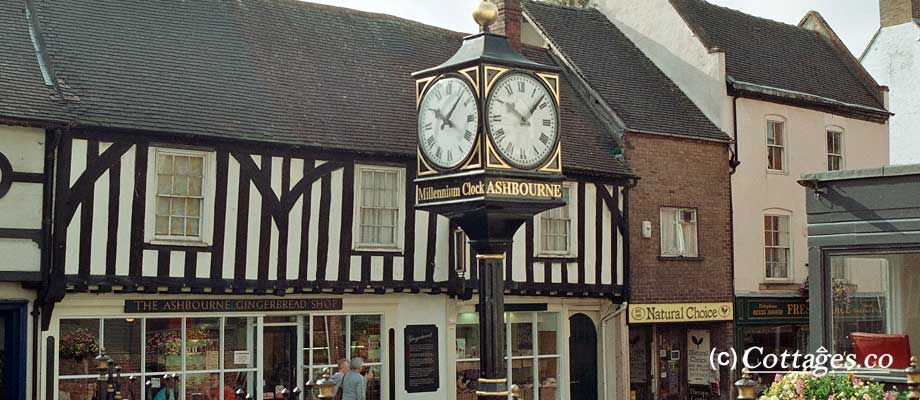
(220, 196)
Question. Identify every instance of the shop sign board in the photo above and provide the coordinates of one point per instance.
(698, 369)
(466, 187)
(680, 312)
(422, 364)
(773, 310)
(231, 305)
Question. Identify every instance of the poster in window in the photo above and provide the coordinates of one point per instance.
(421, 352)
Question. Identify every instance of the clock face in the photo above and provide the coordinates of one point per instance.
(448, 118)
(523, 120)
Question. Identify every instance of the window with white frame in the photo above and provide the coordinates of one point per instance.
(776, 145)
(379, 207)
(834, 150)
(678, 232)
(776, 246)
(555, 228)
(180, 194)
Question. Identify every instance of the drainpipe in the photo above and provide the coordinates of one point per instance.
(52, 139)
(734, 162)
(604, 322)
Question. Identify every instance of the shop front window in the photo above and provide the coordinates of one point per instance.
(532, 343)
(876, 294)
(333, 338)
(179, 357)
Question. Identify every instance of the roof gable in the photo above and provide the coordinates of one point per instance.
(772, 54)
(642, 96)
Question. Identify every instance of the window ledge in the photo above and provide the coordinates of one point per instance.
(371, 249)
(777, 172)
(780, 286)
(187, 243)
(679, 258)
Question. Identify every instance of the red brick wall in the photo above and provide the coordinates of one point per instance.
(683, 173)
(508, 22)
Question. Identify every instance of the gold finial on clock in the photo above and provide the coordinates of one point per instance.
(485, 14)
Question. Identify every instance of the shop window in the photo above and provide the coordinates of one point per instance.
(554, 229)
(380, 205)
(180, 196)
(678, 232)
(882, 295)
(532, 343)
(834, 150)
(182, 356)
(333, 338)
(776, 246)
(776, 145)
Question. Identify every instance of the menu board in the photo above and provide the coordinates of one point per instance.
(422, 372)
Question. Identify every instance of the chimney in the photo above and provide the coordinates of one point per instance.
(897, 12)
(508, 22)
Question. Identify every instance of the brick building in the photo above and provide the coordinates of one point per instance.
(680, 249)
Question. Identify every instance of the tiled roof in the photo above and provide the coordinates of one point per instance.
(776, 55)
(282, 71)
(23, 93)
(631, 85)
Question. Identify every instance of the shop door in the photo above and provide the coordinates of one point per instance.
(582, 357)
(671, 378)
(280, 360)
(12, 350)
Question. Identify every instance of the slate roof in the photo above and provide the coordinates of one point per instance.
(773, 54)
(282, 71)
(23, 93)
(634, 88)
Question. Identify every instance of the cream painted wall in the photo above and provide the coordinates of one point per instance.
(893, 59)
(660, 32)
(21, 207)
(756, 191)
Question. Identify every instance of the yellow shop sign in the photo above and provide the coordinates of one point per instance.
(680, 312)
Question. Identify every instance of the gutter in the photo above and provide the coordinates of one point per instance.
(741, 86)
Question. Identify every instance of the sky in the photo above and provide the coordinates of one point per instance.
(855, 21)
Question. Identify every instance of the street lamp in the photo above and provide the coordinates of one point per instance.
(913, 379)
(745, 386)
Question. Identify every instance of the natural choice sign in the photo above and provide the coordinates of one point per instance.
(684, 312)
(230, 305)
(460, 189)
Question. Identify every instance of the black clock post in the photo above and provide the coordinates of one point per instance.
(489, 167)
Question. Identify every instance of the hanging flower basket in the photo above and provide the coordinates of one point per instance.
(79, 344)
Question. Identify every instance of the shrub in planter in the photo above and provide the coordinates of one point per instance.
(807, 386)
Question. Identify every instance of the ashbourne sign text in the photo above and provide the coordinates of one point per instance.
(468, 188)
(680, 312)
(229, 305)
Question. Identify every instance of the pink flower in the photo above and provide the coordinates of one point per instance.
(890, 396)
(777, 378)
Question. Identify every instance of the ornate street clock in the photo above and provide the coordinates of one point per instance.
(489, 154)
(489, 159)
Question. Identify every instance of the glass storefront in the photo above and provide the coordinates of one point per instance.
(876, 294)
(209, 358)
(532, 341)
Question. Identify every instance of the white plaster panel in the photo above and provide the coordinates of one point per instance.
(20, 255)
(24, 147)
(21, 207)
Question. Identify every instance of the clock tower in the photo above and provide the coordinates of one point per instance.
(489, 158)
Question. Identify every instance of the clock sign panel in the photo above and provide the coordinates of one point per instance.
(448, 118)
(523, 121)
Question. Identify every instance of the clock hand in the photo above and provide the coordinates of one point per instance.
(534, 106)
(514, 110)
(449, 113)
(437, 114)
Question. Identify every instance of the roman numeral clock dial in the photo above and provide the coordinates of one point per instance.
(523, 120)
(448, 118)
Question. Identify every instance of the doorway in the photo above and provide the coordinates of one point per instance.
(671, 360)
(583, 368)
(279, 360)
(13, 350)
